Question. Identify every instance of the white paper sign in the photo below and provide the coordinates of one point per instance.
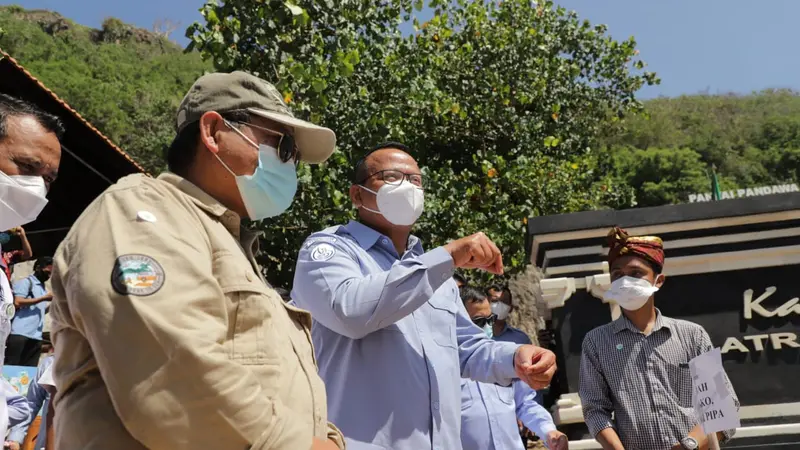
(712, 400)
(47, 377)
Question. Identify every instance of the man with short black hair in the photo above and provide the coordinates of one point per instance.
(502, 306)
(635, 383)
(185, 345)
(32, 301)
(489, 412)
(30, 153)
(391, 334)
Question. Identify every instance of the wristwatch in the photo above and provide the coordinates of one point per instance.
(689, 443)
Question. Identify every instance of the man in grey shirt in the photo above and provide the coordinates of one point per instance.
(637, 367)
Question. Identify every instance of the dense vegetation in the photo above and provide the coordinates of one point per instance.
(125, 81)
(555, 134)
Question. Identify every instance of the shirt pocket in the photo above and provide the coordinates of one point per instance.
(505, 394)
(443, 321)
(254, 337)
(680, 382)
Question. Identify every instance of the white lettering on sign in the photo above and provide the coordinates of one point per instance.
(778, 341)
(754, 306)
(711, 397)
(747, 192)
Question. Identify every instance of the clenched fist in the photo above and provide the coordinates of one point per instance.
(535, 366)
(476, 252)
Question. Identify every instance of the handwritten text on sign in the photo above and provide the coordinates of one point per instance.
(711, 397)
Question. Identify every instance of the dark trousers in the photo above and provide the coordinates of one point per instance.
(22, 351)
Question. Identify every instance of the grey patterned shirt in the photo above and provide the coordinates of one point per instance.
(643, 380)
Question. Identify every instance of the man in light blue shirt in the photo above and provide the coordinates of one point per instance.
(16, 410)
(31, 299)
(38, 399)
(502, 306)
(489, 412)
(391, 335)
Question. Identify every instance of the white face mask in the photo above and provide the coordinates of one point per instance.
(22, 198)
(501, 310)
(630, 293)
(401, 204)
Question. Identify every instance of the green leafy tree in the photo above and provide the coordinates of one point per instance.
(501, 103)
(659, 176)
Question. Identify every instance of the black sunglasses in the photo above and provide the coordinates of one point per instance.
(483, 321)
(287, 149)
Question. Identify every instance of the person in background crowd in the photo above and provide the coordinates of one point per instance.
(30, 153)
(489, 412)
(167, 336)
(32, 300)
(460, 281)
(392, 336)
(16, 411)
(38, 399)
(11, 257)
(502, 306)
(636, 368)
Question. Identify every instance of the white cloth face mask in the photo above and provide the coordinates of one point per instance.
(501, 310)
(401, 204)
(630, 293)
(22, 198)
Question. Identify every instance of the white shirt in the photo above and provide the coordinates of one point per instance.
(5, 329)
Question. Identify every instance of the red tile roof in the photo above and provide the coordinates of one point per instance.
(6, 57)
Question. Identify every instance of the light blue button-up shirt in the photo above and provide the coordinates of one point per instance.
(392, 339)
(489, 415)
(38, 399)
(29, 320)
(16, 406)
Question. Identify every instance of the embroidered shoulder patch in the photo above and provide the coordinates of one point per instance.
(137, 275)
(322, 252)
(10, 311)
(316, 240)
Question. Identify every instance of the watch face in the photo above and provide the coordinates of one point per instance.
(690, 443)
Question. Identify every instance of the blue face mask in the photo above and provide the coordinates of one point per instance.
(488, 330)
(270, 190)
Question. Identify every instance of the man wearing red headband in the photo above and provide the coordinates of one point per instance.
(637, 367)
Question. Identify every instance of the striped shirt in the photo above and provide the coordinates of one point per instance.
(643, 380)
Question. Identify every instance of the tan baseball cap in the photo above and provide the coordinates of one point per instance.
(223, 92)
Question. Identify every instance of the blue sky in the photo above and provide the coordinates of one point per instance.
(695, 45)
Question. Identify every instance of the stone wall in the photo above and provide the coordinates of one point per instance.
(529, 313)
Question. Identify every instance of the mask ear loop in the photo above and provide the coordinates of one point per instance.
(239, 132)
(372, 192)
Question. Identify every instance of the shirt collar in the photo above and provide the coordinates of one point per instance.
(207, 203)
(623, 323)
(367, 237)
(506, 328)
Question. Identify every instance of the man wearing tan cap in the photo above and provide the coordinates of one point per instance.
(166, 335)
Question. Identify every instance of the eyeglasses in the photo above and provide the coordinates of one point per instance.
(287, 149)
(483, 321)
(395, 177)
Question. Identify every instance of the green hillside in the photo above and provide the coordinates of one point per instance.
(125, 81)
(753, 140)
